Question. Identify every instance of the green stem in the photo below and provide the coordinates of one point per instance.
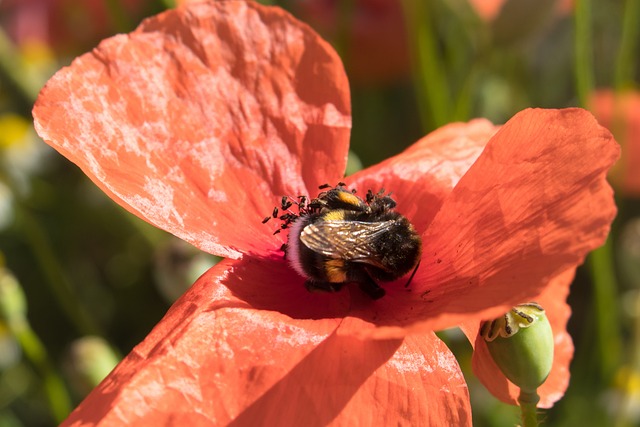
(56, 278)
(462, 107)
(625, 61)
(583, 51)
(600, 260)
(11, 71)
(433, 92)
(624, 417)
(55, 390)
(528, 402)
(604, 288)
(118, 16)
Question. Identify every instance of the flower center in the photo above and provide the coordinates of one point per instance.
(339, 238)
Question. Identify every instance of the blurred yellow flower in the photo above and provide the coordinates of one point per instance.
(13, 130)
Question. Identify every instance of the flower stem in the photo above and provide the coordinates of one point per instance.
(56, 278)
(528, 402)
(583, 51)
(432, 86)
(118, 15)
(604, 288)
(625, 413)
(600, 260)
(13, 74)
(628, 45)
(55, 390)
(13, 310)
(60, 286)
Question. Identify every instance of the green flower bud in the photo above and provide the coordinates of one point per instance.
(521, 344)
(90, 359)
(13, 305)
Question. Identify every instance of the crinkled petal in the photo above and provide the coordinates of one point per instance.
(199, 125)
(533, 205)
(423, 175)
(420, 385)
(214, 361)
(553, 299)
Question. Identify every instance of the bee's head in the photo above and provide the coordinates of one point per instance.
(379, 202)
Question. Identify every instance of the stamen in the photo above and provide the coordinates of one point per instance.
(519, 317)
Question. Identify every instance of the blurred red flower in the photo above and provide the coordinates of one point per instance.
(372, 34)
(621, 114)
(487, 9)
(201, 119)
(65, 25)
(490, 9)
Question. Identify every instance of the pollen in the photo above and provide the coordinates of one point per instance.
(349, 198)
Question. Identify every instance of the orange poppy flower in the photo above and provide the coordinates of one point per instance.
(63, 25)
(490, 9)
(372, 34)
(199, 122)
(621, 114)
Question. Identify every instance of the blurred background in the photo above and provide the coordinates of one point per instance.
(82, 281)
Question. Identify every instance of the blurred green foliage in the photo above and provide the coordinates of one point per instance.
(95, 279)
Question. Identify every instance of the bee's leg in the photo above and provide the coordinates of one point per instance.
(367, 284)
(314, 286)
(372, 289)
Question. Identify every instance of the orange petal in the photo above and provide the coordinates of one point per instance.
(420, 385)
(423, 175)
(212, 360)
(533, 205)
(198, 126)
(553, 299)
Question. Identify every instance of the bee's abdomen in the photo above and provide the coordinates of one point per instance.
(310, 264)
(399, 249)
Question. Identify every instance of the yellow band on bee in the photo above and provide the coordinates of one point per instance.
(336, 215)
(335, 271)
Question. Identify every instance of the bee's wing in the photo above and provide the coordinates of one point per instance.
(351, 240)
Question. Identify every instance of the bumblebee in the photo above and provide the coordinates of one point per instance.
(338, 238)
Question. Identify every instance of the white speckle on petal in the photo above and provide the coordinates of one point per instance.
(409, 361)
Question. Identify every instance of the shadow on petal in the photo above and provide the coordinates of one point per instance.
(269, 283)
(317, 389)
(372, 382)
(209, 358)
(213, 360)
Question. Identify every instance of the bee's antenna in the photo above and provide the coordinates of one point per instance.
(412, 274)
